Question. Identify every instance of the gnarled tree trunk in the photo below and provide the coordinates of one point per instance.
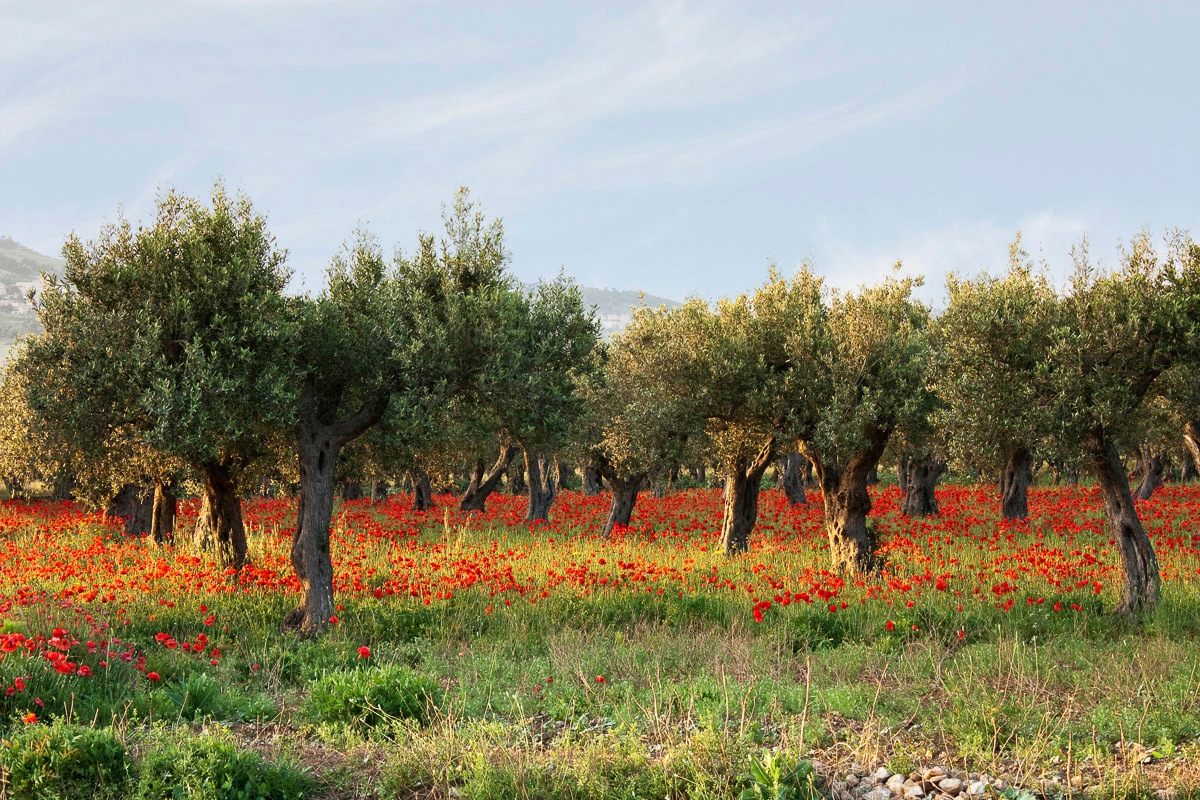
(1150, 468)
(902, 475)
(352, 490)
(162, 518)
(319, 443)
(379, 491)
(852, 542)
(1066, 474)
(625, 492)
(541, 486)
(561, 473)
(920, 498)
(1191, 440)
(591, 478)
(742, 483)
(791, 480)
(220, 517)
(515, 478)
(1138, 561)
(63, 487)
(134, 505)
(483, 484)
(422, 491)
(1014, 484)
(1187, 471)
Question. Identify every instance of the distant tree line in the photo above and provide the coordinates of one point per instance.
(172, 361)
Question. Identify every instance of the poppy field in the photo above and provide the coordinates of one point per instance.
(481, 654)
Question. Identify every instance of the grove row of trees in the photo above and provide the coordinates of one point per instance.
(173, 357)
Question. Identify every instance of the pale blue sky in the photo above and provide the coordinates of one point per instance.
(674, 147)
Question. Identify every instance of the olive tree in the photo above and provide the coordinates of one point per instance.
(757, 365)
(642, 416)
(1119, 331)
(874, 372)
(527, 397)
(992, 374)
(175, 334)
(380, 334)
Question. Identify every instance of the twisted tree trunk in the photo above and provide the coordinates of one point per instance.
(162, 518)
(591, 478)
(482, 485)
(220, 517)
(1191, 440)
(1150, 466)
(379, 491)
(791, 479)
(920, 499)
(422, 491)
(1187, 471)
(742, 482)
(625, 492)
(516, 479)
(1138, 561)
(319, 444)
(134, 506)
(852, 542)
(1014, 484)
(561, 474)
(541, 486)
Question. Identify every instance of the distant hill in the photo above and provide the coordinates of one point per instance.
(19, 264)
(613, 306)
(20, 270)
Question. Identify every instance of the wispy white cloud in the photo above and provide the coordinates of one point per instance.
(965, 248)
(667, 56)
(697, 158)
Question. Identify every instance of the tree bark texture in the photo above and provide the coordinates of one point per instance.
(162, 518)
(1150, 467)
(64, 488)
(1139, 563)
(742, 484)
(379, 491)
(920, 498)
(902, 475)
(1066, 475)
(1187, 471)
(561, 474)
(352, 490)
(792, 479)
(624, 499)
(319, 444)
(220, 519)
(852, 542)
(516, 479)
(541, 486)
(483, 484)
(1191, 440)
(1014, 484)
(134, 506)
(310, 545)
(591, 479)
(422, 491)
